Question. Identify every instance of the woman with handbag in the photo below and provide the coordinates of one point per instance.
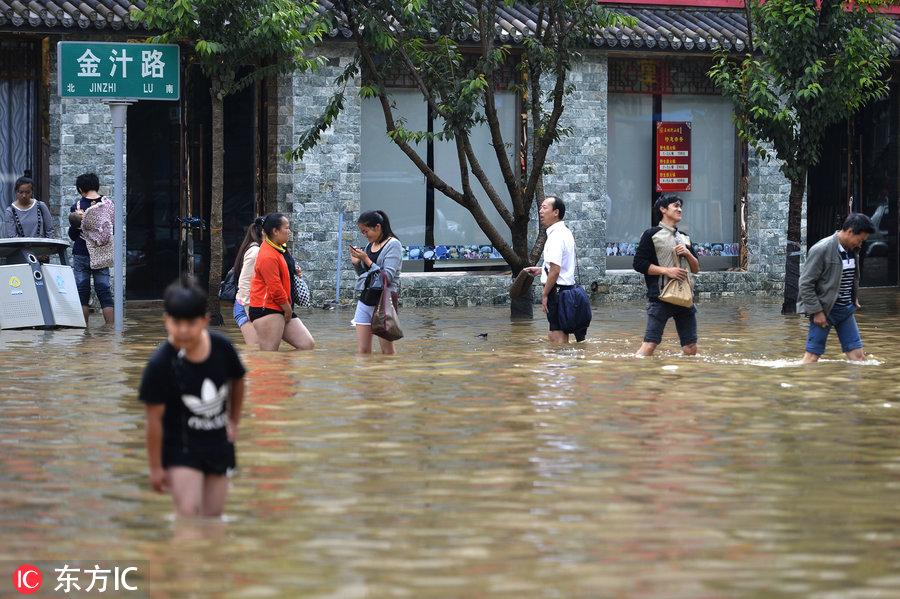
(90, 230)
(244, 263)
(271, 306)
(378, 270)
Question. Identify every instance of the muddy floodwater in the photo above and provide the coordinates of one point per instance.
(482, 466)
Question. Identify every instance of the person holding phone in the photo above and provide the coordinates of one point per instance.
(383, 254)
(271, 308)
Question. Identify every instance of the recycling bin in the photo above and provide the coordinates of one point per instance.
(33, 294)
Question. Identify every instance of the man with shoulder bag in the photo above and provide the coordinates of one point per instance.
(566, 305)
(668, 262)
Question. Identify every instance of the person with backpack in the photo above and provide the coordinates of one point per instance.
(90, 229)
(244, 263)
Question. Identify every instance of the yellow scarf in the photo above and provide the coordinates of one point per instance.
(280, 248)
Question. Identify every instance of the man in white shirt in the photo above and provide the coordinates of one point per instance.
(558, 272)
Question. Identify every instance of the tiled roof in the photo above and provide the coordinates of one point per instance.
(670, 29)
(68, 14)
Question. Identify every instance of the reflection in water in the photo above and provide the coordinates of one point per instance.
(475, 466)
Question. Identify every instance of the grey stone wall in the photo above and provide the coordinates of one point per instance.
(579, 163)
(81, 141)
(326, 183)
(767, 209)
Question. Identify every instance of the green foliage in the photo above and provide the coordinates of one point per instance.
(228, 37)
(814, 67)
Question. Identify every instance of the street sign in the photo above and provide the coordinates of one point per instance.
(118, 71)
(673, 156)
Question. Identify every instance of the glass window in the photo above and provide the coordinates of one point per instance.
(390, 180)
(630, 175)
(453, 224)
(709, 206)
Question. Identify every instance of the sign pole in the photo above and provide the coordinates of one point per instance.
(119, 111)
(120, 74)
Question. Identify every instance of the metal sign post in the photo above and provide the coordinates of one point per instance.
(119, 112)
(119, 74)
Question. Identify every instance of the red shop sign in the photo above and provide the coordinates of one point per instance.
(673, 156)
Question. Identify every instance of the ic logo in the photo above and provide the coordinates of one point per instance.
(27, 579)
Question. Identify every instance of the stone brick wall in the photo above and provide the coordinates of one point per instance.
(767, 209)
(81, 141)
(326, 183)
(579, 163)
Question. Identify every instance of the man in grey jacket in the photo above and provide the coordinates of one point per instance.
(828, 288)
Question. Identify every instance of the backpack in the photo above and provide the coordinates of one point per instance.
(228, 287)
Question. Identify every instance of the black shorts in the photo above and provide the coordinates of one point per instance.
(255, 313)
(553, 306)
(658, 313)
(215, 460)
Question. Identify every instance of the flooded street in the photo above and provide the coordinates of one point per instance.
(474, 466)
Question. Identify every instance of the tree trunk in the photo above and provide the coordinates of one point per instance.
(215, 212)
(522, 307)
(792, 249)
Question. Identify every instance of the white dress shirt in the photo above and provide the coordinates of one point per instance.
(559, 249)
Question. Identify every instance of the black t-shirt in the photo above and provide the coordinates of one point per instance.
(196, 395)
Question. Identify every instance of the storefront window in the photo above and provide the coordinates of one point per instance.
(453, 224)
(390, 180)
(437, 233)
(630, 169)
(709, 205)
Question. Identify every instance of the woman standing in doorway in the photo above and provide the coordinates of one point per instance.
(271, 309)
(244, 264)
(27, 216)
(383, 254)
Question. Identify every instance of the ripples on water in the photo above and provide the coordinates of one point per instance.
(472, 467)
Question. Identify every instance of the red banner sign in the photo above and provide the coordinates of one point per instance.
(673, 156)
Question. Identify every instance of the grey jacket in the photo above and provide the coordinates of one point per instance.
(29, 221)
(390, 260)
(820, 280)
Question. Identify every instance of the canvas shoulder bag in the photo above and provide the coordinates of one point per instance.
(678, 293)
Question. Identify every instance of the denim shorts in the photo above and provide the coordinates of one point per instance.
(363, 314)
(81, 266)
(842, 319)
(240, 314)
(658, 313)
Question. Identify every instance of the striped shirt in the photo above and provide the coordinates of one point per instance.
(848, 260)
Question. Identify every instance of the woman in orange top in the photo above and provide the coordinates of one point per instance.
(271, 307)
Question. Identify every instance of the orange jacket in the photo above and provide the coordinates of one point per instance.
(271, 285)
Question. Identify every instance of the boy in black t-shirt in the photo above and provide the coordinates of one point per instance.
(193, 388)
